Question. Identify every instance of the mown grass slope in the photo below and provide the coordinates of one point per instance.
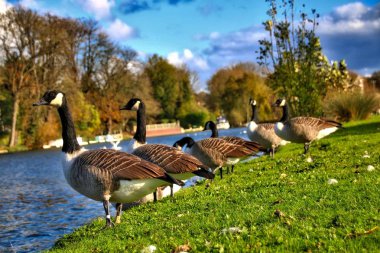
(285, 204)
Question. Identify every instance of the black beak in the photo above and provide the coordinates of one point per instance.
(274, 105)
(123, 108)
(41, 102)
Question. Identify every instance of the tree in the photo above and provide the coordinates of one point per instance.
(300, 70)
(171, 85)
(20, 50)
(231, 88)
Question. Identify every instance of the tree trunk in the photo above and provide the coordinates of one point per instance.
(12, 137)
(109, 126)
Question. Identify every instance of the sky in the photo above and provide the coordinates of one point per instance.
(210, 34)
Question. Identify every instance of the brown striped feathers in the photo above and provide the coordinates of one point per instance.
(172, 160)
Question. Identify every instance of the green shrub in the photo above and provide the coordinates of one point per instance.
(352, 105)
(194, 119)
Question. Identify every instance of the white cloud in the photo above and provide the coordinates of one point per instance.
(352, 32)
(188, 54)
(351, 18)
(175, 59)
(188, 58)
(100, 8)
(351, 10)
(31, 4)
(118, 30)
(4, 6)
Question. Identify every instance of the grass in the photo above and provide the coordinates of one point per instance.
(285, 204)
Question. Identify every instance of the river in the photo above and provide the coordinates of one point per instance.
(37, 206)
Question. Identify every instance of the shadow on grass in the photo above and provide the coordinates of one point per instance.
(362, 129)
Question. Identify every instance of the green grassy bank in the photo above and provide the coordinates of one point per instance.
(285, 204)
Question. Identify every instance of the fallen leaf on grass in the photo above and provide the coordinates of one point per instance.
(366, 155)
(309, 159)
(182, 248)
(279, 214)
(355, 234)
(149, 249)
(332, 181)
(370, 168)
(232, 230)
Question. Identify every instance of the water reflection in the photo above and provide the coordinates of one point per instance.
(37, 206)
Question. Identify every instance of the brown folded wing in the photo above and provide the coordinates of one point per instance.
(267, 126)
(119, 164)
(251, 145)
(316, 123)
(224, 147)
(170, 159)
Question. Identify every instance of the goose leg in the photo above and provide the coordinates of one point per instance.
(306, 147)
(221, 173)
(119, 208)
(171, 191)
(109, 223)
(272, 151)
(155, 196)
(232, 168)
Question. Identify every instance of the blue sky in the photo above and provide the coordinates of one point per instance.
(210, 34)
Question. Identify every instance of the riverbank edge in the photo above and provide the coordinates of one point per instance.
(255, 215)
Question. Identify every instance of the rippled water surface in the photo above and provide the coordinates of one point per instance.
(37, 206)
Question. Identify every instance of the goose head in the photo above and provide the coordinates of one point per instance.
(53, 98)
(252, 102)
(132, 105)
(188, 141)
(209, 125)
(281, 102)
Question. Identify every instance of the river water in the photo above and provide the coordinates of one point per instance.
(37, 206)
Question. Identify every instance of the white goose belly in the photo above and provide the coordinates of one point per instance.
(132, 190)
(232, 161)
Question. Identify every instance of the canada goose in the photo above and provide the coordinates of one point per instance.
(178, 164)
(214, 152)
(103, 175)
(263, 133)
(302, 129)
(210, 125)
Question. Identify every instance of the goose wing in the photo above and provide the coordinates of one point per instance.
(267, 126)
(251, 145)
(224, 147)
(170, 159)
(315, 123)
(120, 165)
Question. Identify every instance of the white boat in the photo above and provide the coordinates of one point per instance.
(222, 123)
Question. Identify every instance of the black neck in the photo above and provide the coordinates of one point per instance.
(185, 140)
(255, 116)
(214, 130)
(285, 113)
(70, 143)
(140, 134)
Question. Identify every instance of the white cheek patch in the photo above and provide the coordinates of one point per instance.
(57, 101)
(136, 106)
(252, 126)
(283, 102)
(254, 102)
(279, 126)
